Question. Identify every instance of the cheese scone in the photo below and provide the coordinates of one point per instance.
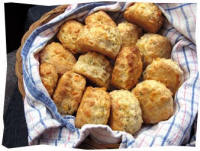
(95, 67)
(99, 17)
(126, 113)
(153, 46)
(68, 35)
(68, 92)
(100, 38)
(155, 100)
(166, 71)
(129, 32)
(55, 54)
(48, 76)
(94, 107)
(127, 69)
(146, 15)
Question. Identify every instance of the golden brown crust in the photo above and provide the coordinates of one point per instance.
(95, 67)
(101, 38)
(55, 54)
(127, 69)
(48, 76)
(44, 19)
(68, 93)
(166, 71)
(155, 100)
(126, 113)
(68, 35)
(130, 33)
(153, 46)
(94, 107)
(99, 17)
(146, 15)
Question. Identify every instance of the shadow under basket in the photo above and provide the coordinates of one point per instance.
(88, 143)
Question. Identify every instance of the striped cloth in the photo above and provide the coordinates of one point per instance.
(47, 126)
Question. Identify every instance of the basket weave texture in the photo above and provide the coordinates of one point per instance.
(88, 143)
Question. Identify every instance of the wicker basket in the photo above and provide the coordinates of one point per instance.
(88, 143)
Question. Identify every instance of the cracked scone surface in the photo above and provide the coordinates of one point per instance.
(99, 17)
(155, 100)
(126, 114)
(94, 107)
(127, 69)
(48, 76)
(129, 32)
(100, 38)
(146, 15)
(95, 67)
(61, 58)
(153, 46)
(68, 92)
(68, 35)
(166, 71)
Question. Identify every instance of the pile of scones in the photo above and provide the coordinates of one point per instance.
(108, 73)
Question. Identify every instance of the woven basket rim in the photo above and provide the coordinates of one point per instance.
(44, 19)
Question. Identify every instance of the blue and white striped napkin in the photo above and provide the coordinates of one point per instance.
(47, 126)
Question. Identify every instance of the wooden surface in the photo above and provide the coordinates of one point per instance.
(88, 143)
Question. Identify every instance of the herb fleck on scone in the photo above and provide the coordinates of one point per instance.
(126, 114)
(61, 58)
(94, 107)
(155, 100)
(146, 15)
(69, 92)
(95, 67)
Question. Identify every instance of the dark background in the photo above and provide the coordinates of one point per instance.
(18, 18)
(15, 18)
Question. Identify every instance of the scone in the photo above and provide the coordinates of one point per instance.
(130, 33)
(126, 113)
(153, 46)
(68, 35)
(155, 100)
(68, 92)
(94, 107)
(146, 15)
(166, 71)
(127, 69)
(55, 54)
(100, 38)
(95, 67)
(48, 76)
(99, 17)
